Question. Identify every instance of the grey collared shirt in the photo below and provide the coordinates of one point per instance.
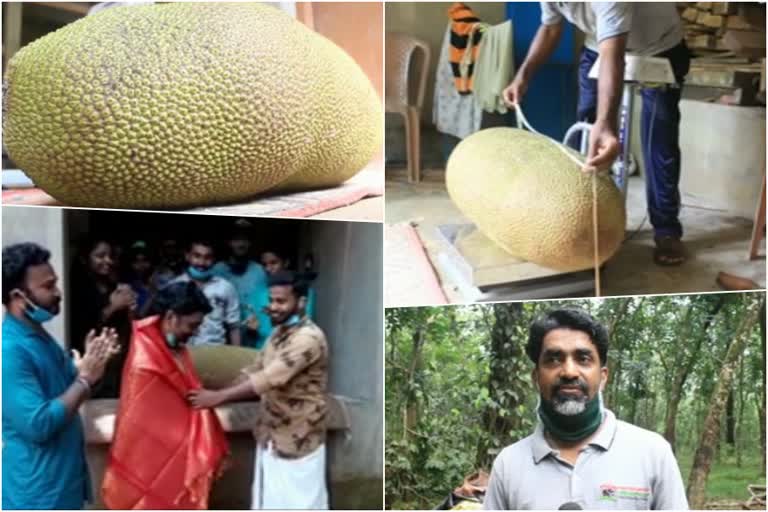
(651, 27)
(623, 467)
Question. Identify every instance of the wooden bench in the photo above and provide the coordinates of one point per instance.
(756, 496)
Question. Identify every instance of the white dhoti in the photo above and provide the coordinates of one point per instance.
(287, 484)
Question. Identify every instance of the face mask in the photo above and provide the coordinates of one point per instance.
(36, 313)
(199, 275)
(170, 337)
(292, 320)
(572, 427)
(171, 341)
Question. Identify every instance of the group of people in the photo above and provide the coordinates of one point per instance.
(168, 446)
(113, 286)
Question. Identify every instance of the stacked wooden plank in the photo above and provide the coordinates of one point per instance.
(727, 40)
(725, 29)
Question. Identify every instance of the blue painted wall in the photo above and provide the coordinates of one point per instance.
(550, 103)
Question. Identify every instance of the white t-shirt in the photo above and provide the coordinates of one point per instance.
(653, 27)
(224, 300)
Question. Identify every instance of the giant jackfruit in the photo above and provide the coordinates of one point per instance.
(526, 195)
(185, 104)
(218, 366)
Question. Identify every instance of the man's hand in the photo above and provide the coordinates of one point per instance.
(123, 297)
(204, 398)
(514, 92)
(252, 323)
(603, 141)
(98, 351)
(603, 147)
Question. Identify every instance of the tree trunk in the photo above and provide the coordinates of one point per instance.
(702, 461)
(614, 364)
(507, 381)
(699, 419)
(683, 369)
(670, 433)
(740, 422)
(612, 398)
(641, 422)
(730, 419)
(762, 379)
(650, 413)
(411, 409)
(633, 411)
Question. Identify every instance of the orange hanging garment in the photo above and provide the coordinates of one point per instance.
(164, 455)
(465, 45)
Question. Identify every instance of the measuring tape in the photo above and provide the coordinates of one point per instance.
(523, 122)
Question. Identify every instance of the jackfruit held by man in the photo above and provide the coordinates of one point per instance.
(184, 104)
(218, 366)
(523, 192)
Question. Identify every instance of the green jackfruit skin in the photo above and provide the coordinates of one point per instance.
(185, 104)
(525, 194)
(219, 365)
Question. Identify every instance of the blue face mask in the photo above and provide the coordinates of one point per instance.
(36, 313)
(199, 275)
(292, 320)
(171, 341)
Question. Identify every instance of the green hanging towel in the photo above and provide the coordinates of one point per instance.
(494, 68)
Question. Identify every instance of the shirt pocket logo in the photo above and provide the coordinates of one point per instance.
(614, 493)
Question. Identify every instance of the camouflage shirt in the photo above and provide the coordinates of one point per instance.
(291, 377)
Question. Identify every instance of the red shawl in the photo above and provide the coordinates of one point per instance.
(164, 455)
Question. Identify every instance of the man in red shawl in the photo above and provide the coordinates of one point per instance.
(165, 454)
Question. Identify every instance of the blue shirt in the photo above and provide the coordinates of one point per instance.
(251, 287)
(142, 294)
(44, 464)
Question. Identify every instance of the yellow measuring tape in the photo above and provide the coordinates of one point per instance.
(523, 122)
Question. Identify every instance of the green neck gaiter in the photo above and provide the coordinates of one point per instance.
(575, 427)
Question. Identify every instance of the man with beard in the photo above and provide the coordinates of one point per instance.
(222, 324)
(43, 441)
(276, 260)
(581, 456)
(250, 281)
(291, 377)
(165, 455)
